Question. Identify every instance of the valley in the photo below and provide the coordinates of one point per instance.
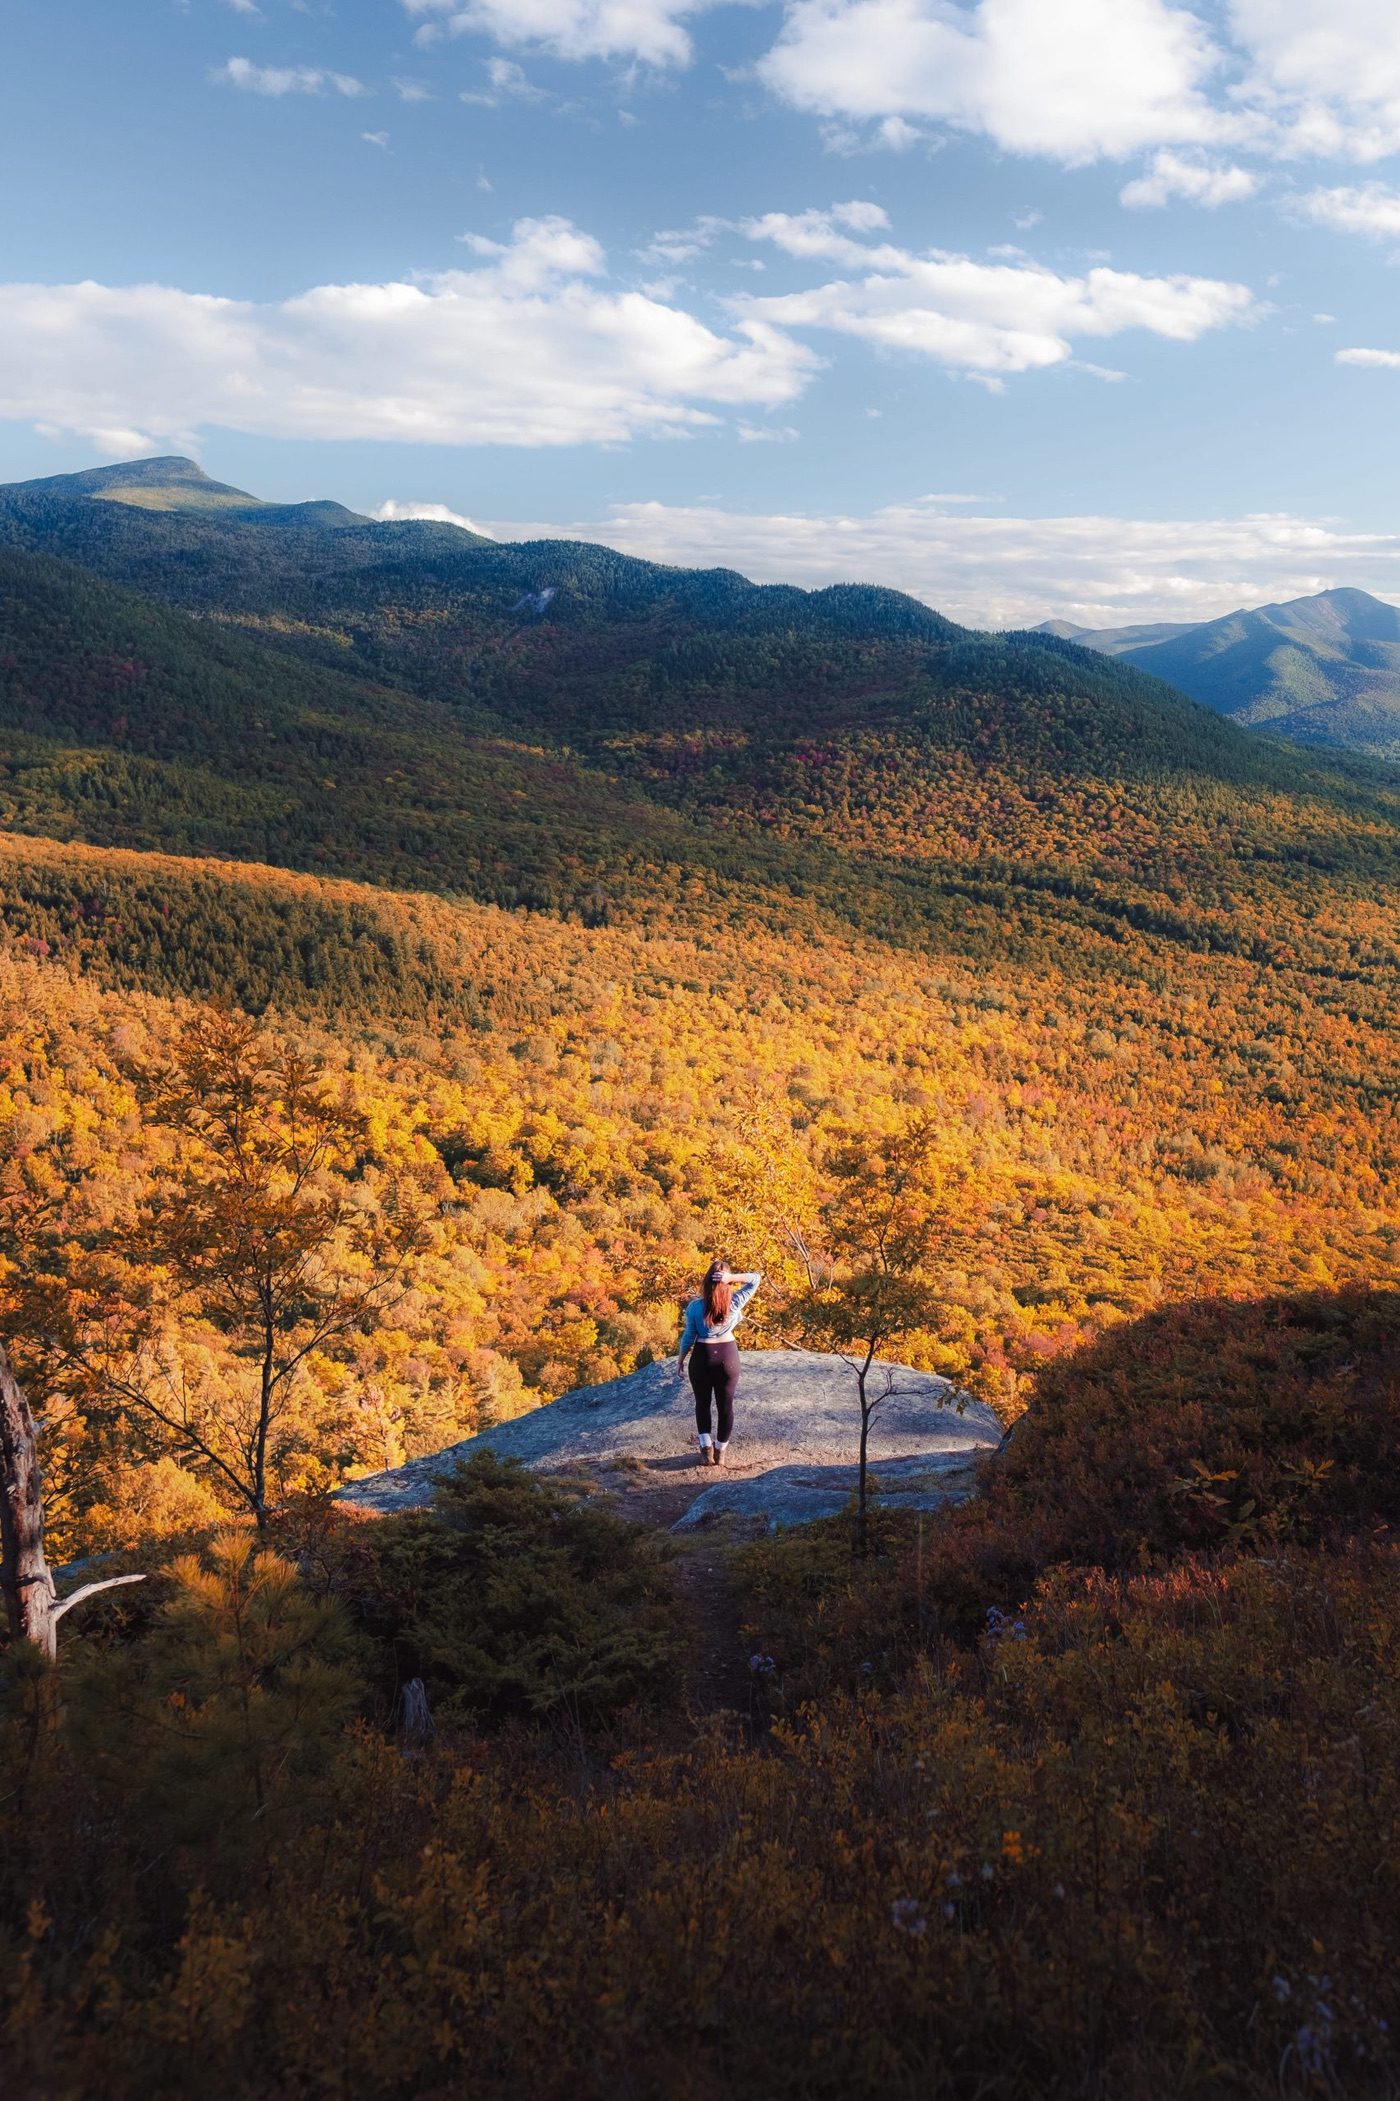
(538, 893)
(405, 986)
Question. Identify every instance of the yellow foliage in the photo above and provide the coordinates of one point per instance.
(1135, 1118)
(149, 1502)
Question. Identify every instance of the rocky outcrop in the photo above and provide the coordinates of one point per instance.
(794, 1495)
(793, 1455)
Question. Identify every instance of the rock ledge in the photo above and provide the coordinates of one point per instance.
(796, 1433)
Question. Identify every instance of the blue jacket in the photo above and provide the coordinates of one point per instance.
(698, 1329)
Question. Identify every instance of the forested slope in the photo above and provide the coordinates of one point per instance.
(583, 1111)
(1319, 670)
(599, 761)
(607, 917)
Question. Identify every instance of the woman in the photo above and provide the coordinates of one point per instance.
(708, 1340)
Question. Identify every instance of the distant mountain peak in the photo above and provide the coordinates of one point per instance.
(1340, 594)
(161, 467)
(1344, 613)
(1321, 669)
(168, 482)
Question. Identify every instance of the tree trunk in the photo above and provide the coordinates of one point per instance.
(24, 1573)
(269, 1355)
(863, 1490)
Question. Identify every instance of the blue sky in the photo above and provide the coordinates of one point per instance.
(1073, 306)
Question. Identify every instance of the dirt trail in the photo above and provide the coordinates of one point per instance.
(719, 1677)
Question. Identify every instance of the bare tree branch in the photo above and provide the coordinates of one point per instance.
(89, 1590)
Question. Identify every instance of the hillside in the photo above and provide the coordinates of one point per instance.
(128, 724)
(841, 752)
(396, 1014)
(323, 578)
(612, 916)
(1319, 670)
(1139, 1111)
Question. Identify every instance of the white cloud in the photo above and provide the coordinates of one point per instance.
(1075, 80)
(243, 7)
(113, 441)
(375, 138)
(411, 90)
(283, 80)
(1004, 572)
(1381, 360)
(648, 32)
(526, 349)
(1080, 80)
(435, 513)
(1327, 78)
(508, 83)
(1370, 209)
(681, 244)
(827, 234)
(766, 433)
(985, 319)
(1196, 180)
(527, 346)
(899, 134)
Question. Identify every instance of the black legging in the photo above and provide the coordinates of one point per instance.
(714, 1370)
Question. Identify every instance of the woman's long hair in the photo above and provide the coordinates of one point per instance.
(718, 1293)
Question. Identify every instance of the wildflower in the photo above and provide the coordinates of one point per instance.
(762, 1666)
(1282, 1989)
(1312, 2051)
(907, 1916)
(987, 1871)
(1000, 1623)
(954, 1879)
(950, 1911)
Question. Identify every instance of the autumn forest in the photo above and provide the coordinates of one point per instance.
(404, 989)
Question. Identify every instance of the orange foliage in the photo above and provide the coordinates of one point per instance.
(1138, 1123)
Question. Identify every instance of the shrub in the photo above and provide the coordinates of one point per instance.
(1211, 1426)
(1147, 1848)
(517, 1600)
(218, 1717)
(1139, 1838)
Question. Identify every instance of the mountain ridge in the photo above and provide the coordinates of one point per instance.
(1320, 669)
(59, 515)
(670, 747)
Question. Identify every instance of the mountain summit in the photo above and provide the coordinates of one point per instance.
(1320, 670)
(171, 483)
